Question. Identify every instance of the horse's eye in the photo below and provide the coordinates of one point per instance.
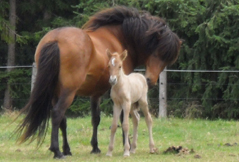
(119, 67)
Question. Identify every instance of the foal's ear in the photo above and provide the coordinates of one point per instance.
(108, 53)
(124, 55)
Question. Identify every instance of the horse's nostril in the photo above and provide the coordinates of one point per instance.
(149, 83)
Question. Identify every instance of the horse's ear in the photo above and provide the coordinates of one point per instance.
(124, 55)
(108, 53)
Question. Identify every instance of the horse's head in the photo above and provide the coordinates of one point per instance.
(154, 66)
(115, 65)
(156, 62)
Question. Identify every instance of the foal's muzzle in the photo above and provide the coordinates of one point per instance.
(113, 80)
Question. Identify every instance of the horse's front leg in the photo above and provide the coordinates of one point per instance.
(95, 119)
(116, 114)
(57, 114)
(125, 125)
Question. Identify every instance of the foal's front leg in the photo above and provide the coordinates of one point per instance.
(116, 114)
(126, 109)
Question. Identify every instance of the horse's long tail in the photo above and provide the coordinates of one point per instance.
(35, 124)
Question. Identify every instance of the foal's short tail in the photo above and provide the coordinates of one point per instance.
(35, 124)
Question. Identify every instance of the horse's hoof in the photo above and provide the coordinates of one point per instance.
(59, 156)
(95, 151)
(67, 153)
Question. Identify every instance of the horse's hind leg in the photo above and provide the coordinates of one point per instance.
(66, 147)
(148, 119)
(135, 119)
(95, 118)
(63, 126)
(57, 114)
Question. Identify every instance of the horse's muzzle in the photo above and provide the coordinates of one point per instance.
(113, 80)
(149, 82)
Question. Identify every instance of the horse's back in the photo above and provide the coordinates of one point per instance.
(75, 52)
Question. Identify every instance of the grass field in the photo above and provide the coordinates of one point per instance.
(211, 141)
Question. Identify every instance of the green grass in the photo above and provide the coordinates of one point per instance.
(206, 138)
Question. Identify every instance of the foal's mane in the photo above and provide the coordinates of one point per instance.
(142, 33)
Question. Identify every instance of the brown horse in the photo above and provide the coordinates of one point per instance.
(72, 61)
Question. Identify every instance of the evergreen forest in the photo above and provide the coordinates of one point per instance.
(209, 30)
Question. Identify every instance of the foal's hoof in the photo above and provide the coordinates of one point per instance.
(132, 151)
(126, 154)
(95, 151)
(153, 151)
(109, 154)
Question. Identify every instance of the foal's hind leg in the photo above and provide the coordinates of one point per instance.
(95, 118)
(148, 119)
(135, 119)
(58, 113)
(66, 147)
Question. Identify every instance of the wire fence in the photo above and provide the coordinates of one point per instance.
(154, 99)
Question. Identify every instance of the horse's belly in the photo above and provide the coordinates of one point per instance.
(92, 87)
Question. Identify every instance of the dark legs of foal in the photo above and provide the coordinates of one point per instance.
(59, 121)
(95, 118)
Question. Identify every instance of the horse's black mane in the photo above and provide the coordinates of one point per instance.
(142, 32)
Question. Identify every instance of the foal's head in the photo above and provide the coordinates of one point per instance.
(115, 65)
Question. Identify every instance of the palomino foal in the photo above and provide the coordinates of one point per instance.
(127, 90)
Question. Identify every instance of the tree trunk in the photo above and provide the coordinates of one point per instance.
(7, 103)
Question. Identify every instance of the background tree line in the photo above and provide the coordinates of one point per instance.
(209, 29)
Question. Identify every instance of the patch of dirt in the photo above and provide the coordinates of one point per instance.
(197, 156)
(180, 151)
(228, 144)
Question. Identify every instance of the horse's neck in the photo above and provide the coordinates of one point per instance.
(112, 38)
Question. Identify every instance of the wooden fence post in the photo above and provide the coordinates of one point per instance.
(163, 94)
(34, 73)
